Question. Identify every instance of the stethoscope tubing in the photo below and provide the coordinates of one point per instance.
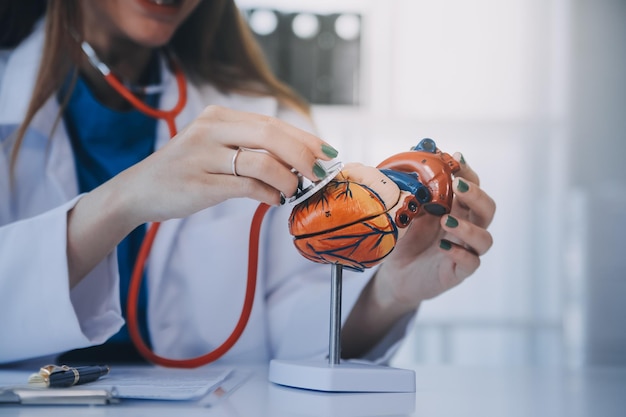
(169, 116)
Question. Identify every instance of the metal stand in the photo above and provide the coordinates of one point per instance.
(337, 376)
(334, 345)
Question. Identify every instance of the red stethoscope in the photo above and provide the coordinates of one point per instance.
(169, 116)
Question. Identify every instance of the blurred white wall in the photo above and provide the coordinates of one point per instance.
(597, 268)
(498, 80)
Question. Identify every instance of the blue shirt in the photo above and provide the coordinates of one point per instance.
(106, 142)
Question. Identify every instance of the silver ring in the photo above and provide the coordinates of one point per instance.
(234, 161)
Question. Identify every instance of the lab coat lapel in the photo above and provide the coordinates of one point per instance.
(19, 78)
(60, 167)
(17, 85)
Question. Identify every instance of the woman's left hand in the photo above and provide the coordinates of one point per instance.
(438, 253)
(434, 255)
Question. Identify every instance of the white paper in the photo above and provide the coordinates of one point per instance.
(157, 383)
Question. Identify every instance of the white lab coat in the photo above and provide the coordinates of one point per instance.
(197, 268)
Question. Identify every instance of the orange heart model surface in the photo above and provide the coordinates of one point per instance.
(357, 218)
(346, 223)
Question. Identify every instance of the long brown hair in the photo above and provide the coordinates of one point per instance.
(213, 44)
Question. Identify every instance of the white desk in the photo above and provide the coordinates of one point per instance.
(441, 391)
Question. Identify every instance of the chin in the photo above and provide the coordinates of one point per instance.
(156, 21)
(165, 10)
(154, 37)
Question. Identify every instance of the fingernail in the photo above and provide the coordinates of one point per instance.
(282, 198)
(462, 186)
(452, 222)
(462, 160)
(445, 245)
(319, 171)
(329, 151)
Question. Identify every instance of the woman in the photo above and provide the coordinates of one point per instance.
(81, 172)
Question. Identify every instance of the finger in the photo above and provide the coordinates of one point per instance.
(297, 148)
(476, 239)
(242, 162)
(238, 187)
(374, 179)
(473, 198)
(266, 168)
(465, 170)
(463, 262)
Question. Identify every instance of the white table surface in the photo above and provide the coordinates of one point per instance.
(441, 391)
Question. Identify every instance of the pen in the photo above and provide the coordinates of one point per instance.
(55, 376)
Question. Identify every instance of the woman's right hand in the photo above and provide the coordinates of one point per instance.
(194, 170)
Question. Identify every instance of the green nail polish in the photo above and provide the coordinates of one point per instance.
(462, 160)
(445, 245)
(462, 186)
(319, 171)
(329, 151)
(452, 222)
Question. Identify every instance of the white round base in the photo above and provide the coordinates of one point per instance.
(344, 377)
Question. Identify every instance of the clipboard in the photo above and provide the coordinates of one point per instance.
(55, 396)
(123, 383)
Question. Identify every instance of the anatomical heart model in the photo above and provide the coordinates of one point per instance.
(357, 218)
(354, 220)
